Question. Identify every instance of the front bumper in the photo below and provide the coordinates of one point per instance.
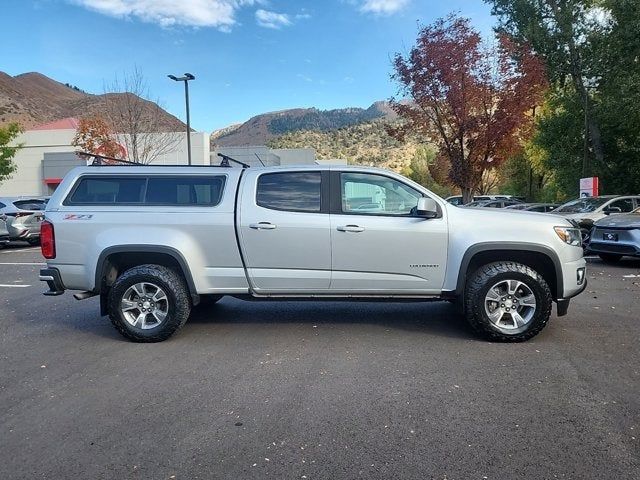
(574, 282)
(54, 281)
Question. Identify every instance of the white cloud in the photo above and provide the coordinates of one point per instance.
(274, 20)
(306, 78)
(382, 7)
(220, 14)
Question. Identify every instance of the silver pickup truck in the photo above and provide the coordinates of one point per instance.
(154, 241)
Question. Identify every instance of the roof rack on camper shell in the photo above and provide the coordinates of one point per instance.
(102, 160)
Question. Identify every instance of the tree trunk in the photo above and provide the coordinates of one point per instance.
(467, 195)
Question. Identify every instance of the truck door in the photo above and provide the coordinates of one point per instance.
(284, 229)
(378, 244)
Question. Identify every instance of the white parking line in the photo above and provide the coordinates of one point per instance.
(20, 263)
(13, 286)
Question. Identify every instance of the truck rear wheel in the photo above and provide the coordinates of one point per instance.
(507, 302)
(149, 303)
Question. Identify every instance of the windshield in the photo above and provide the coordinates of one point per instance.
(582, 205)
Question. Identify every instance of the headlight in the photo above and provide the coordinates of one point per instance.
(569, 235)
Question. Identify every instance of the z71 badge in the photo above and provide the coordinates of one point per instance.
(73, 216)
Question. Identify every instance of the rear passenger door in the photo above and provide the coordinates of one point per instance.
(285, 231)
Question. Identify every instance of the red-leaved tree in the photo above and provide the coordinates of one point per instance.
(471, 101)
(94, 135)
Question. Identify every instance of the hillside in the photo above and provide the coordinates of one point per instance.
(33, 98)
(364, 144)
(261, 129)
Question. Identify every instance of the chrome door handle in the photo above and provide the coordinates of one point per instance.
(262, 226)
(351, 228)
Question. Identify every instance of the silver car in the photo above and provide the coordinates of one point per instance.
(4, 233)
(583, 212)
(23, 217)
(616, 236)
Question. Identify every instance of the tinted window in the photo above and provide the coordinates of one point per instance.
(184, 190)
(30, 204)
(108, 191)
(159, 190)
(370, 194)
(625, 205)
(292, 191)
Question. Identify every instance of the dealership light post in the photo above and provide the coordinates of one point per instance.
(185, 79)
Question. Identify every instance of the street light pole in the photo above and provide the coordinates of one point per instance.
(185, 79)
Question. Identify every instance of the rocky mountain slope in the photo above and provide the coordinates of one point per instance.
(33, 98)
(263, 128)
(364, 144)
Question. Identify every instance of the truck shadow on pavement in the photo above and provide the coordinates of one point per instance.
(432, 318)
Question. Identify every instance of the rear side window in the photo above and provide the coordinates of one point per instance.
(105, 191)
(160, 190)
(290, 191)
(205, 191)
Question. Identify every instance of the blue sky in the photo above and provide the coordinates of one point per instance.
(249, 56)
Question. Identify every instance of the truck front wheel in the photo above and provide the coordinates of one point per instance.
(507, 301)
(149, 303)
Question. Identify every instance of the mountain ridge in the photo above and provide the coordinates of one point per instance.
(263, 128)
(32, 98)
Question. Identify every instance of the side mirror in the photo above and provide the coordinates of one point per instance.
(427, 207)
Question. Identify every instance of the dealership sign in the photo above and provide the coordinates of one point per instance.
(589, 187)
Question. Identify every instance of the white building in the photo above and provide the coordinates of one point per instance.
(47, 156)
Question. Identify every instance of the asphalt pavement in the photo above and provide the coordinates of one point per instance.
(308, 390)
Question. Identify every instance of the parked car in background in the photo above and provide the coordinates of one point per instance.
(370, 207)
(534, 207)
(24, 216)
(616, 236)
(491, 203)
(457, 199)
(4, 233)
(583, 212)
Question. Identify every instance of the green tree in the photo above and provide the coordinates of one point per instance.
(419, 171)
(7, 152)
(591, 123)
(560, 32)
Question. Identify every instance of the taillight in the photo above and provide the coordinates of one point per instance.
(47, 240)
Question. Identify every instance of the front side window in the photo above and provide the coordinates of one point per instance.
(371, 194)
(625, 205)
(290, 191)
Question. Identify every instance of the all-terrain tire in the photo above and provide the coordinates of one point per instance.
(485, 278)
(178, 302)
(610, 257)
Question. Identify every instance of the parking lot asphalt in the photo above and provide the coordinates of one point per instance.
(295, 390)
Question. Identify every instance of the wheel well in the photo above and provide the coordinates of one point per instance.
(116, 264)
(538, 261)
(112, 265)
